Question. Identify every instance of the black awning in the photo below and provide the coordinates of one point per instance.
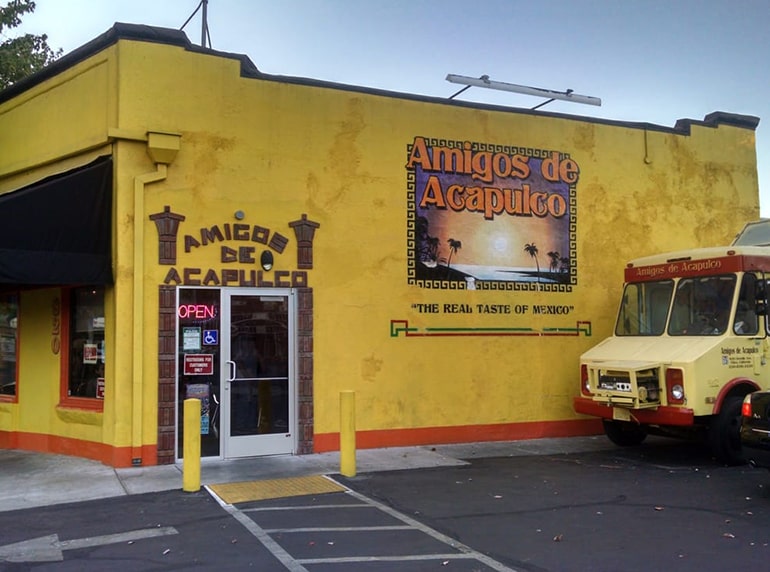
(58, 231)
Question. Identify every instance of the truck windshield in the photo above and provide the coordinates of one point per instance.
(644, 308)
(702, 306)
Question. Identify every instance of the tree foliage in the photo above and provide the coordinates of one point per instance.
(23, 55)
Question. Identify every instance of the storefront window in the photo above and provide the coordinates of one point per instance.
(9, 341)
(198, 319)
(86, 343)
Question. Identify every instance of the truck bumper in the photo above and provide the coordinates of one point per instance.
(662, 415)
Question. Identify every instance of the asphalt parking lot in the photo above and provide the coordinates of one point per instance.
(663, 506)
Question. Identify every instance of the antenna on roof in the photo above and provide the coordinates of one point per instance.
(204, 22)
(484, 81)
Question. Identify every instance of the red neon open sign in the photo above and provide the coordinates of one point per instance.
(198, 311)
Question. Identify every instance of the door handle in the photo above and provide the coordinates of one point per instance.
(231, 368)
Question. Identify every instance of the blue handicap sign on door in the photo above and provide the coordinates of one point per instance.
(210, 337)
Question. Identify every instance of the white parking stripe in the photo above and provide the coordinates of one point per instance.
(338, 529)
(296, 565)
(494, 564)
(275, 548)
(406, 558)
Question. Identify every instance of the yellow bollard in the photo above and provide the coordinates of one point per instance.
(348, 433)
(191, 470)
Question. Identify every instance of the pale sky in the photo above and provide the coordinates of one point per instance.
(652, 61)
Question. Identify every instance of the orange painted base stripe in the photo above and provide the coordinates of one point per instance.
(118, 457)
(325, 442)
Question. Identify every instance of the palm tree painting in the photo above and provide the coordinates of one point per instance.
(554, 256)
(454, 246)
(432, 249)
(531, 249)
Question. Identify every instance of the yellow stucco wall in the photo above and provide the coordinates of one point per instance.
(276, 150)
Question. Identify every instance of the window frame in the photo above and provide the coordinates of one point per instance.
(746, 291)
(645, 310)
(65, 399)
(721, 307)
(7, 398)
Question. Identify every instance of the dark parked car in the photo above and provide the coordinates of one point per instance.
(755, 428)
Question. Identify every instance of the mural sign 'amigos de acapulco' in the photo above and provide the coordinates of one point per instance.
(490, 217)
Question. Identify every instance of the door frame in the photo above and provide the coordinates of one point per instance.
(236, 447)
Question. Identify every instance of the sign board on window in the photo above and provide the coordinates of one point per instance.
(198, 364)
(191, 339)
(90, 353)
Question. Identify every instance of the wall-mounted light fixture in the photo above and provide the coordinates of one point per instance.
(484, 81)
(266, 260)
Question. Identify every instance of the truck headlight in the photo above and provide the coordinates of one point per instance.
(675, 386)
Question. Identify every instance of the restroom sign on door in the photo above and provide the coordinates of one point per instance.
(199, 364)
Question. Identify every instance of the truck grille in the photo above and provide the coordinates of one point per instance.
(615, 382)
(642, 387)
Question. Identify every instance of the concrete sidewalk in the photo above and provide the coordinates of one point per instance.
(30, 480)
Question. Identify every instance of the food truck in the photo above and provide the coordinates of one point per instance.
(690, 342)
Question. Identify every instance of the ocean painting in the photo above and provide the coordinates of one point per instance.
(490, 217)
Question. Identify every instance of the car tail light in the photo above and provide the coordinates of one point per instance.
(746, 409)
(585, 388)
(675, 386)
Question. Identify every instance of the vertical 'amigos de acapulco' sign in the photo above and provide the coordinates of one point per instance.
(493, 217)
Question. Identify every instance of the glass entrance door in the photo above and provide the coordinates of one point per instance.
(258, 412)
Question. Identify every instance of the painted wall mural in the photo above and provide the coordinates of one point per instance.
(490, 217)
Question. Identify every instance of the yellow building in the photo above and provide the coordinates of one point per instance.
(177, 224)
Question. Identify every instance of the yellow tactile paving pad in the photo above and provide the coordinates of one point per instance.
(234, 493)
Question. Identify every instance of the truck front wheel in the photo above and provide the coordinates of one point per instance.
(725, 433)
(623, 433)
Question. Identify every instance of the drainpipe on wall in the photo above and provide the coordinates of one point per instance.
(162, 149)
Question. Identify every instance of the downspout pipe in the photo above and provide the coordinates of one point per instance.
(162, 149)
